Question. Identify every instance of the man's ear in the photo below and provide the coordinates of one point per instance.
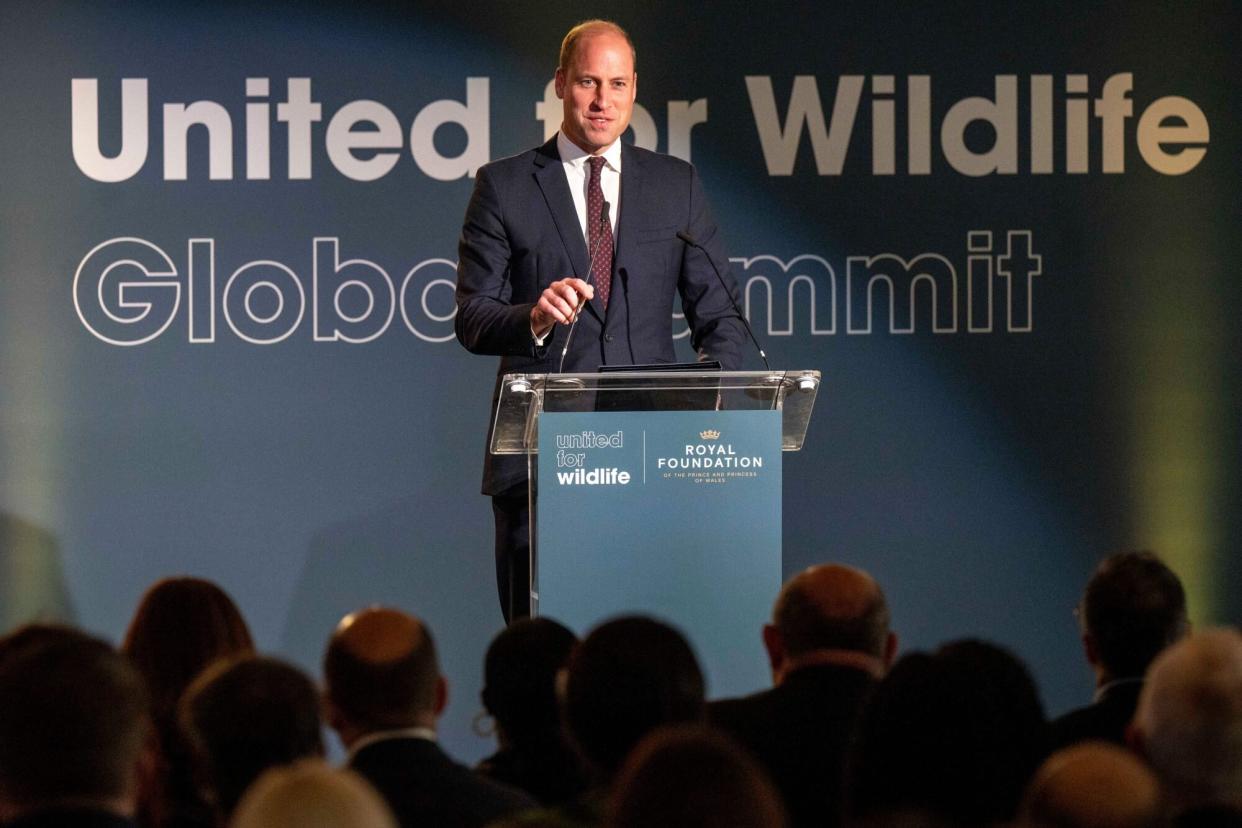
(559, 83)
(774, 643)
(1090, 649)
(331, 715)
(150, 768)
(441, 695)
(1135, 740)
(890, 650)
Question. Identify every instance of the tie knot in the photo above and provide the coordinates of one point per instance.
(597, 164)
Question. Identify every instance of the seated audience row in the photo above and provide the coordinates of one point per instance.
(187, 726)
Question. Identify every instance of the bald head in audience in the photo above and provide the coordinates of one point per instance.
(383, 694)
(831, 613)
(1092, 785)
(1189, 720)
(381, 673)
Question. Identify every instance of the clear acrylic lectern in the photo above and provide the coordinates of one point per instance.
(524, 398)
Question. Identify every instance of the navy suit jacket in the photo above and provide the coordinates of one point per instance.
(71, 818)
(1106, 719)
(521, 233)
(802, 732)
(424, 787)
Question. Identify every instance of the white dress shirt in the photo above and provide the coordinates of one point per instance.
(578, 174)
(574, 160)
(384, 735)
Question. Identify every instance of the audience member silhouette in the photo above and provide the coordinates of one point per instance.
(34, 634)
(828, 644)
(629, 676)
(519, 692)
(309, 794)
(182, 625)
(244, 716)
(1132, 608)
(948, 739)
(383, 695)
(693, 777)
(1189, 726)
(1093, 784)
(955, 735)
(74, 718)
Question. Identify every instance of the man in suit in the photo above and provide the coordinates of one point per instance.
(829, 643)
(1132, 608)
(383, 694)
(74, 718)
(585, 227)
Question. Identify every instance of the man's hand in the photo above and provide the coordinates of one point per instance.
(559, 303)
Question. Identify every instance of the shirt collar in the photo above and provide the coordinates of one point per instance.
(571, 153)
(853, 659)
(1105, 689)
(425, 733)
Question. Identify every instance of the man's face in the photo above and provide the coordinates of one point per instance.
(597, 89)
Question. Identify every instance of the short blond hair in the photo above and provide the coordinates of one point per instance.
(588, 28)
(1189, 717)
(312, 793)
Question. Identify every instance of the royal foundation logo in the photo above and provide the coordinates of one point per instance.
(713, 459)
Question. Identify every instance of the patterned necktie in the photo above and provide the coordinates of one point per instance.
(599, 233)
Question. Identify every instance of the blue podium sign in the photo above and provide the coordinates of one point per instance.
(674, 514)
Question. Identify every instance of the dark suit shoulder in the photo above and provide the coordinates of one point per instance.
(800, 731)
(672, 176)
(823, 692)
(727, 708)
(423, 785)
(655, 160)
(547, 153)
(1105, 720)
(71, 818)
(1093, 722)
(1210, 816)
(522, 162)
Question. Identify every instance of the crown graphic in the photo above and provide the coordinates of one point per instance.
(710, 434)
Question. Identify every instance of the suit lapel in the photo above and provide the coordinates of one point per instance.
(550, 176)
(631, 209)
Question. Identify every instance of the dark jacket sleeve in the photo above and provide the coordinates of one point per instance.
(487, 323)
(710, 307)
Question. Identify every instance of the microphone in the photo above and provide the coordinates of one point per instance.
(689, 240)
(599, 240)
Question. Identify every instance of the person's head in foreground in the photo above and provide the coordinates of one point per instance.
(310, 794)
